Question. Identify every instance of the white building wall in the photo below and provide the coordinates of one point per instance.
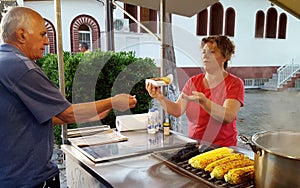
(250, 51)
(69, 10)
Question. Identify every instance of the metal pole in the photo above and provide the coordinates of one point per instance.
(109, 26)
(162, 47)
(60, 57)
(162, 36)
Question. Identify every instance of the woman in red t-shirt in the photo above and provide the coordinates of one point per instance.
(212, 99)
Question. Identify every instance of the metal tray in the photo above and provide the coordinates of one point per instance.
(139, 142)
(184, 168)
(86, 131)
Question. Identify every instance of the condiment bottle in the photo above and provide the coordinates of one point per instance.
(167, 127)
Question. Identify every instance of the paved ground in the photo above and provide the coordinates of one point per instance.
(263, 110)
(269, 110)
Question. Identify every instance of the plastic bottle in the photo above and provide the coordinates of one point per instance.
(156, 124)
(167, 127)
(155, 141)
(151, 121)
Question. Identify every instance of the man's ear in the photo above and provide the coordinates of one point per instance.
(21, 35)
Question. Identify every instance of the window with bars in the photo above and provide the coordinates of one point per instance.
(85, 35)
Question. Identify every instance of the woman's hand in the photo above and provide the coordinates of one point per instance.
(153, 91)
(196, 96)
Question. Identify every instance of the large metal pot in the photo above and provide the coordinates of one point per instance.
(276, 159)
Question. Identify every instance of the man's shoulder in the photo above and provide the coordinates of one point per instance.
(13, 57)
(14, 65)
(28, 62)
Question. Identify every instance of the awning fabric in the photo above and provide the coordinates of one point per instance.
(186, 8)
(291, 6)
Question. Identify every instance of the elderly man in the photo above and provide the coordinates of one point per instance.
(31, 104)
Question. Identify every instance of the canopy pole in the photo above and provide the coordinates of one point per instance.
(60, 59)
(162, 36)
(162, 48)
(109, 26)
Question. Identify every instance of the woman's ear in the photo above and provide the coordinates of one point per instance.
(21, 36)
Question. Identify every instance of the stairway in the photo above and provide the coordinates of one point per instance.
(271, 84)
(284, 78)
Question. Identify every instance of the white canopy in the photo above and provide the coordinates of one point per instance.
(291, 6)
(181, 7)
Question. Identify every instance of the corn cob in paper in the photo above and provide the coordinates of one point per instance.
(239, 175)
(231, 157)
(202, 160)
(219, 171)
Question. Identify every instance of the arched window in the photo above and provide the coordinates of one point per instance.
(148, 18)
(259, 24)
(132, 10)
(271, 25)
(85, 35)
(202, 23)
(84, 27)
(282, 26)
(229, 22)
(51, 34)
(216, 19)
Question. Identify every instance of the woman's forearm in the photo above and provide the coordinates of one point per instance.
(172, 108)
(225, 114)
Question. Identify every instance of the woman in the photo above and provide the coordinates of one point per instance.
(211, 99)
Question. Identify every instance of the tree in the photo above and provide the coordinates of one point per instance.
(5, 5)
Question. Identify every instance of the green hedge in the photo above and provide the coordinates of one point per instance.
(99, 75)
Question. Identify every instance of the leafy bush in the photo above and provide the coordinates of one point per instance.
(100, 75)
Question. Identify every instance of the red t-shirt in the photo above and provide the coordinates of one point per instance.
(203, 127)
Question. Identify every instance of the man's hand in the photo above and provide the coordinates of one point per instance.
(123, 102)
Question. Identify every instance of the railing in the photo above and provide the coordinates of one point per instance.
(254, 82)
(286, 71)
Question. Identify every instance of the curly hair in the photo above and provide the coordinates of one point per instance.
(225, 45)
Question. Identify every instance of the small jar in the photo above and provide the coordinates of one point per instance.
(166, 128)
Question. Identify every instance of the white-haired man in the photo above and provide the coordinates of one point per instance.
(31, 104)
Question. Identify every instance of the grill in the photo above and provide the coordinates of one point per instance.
(183, 167)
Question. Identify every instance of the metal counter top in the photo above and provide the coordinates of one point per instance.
(138, 171)
(141, 170)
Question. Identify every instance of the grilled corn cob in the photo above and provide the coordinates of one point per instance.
(211, 152)
(202, 160)
(231, 157)
(239, 175)
(219, 171)
(165, 79)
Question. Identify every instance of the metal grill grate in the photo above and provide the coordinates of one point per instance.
(201, 175)
(205, 176)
